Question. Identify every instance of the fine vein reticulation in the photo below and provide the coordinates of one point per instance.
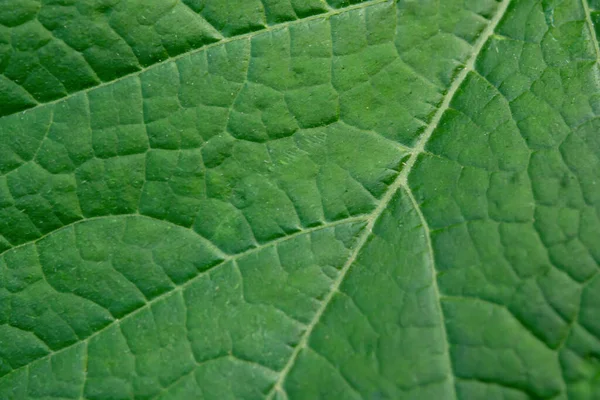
(305, 199)
(93, 70)
(399, 182)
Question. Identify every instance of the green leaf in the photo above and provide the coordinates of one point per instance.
(299, 199)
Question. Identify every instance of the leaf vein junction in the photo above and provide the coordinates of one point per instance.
(178, 288)
(400, 181)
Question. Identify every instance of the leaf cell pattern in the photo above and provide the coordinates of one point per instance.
(296, 200)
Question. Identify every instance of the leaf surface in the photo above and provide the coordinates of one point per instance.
(267, 199)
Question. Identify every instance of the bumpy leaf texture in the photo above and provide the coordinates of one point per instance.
(299, 199)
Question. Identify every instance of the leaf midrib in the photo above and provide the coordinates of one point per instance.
(222, 42)
(400, 182)
(590, 24)
(371, 219)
